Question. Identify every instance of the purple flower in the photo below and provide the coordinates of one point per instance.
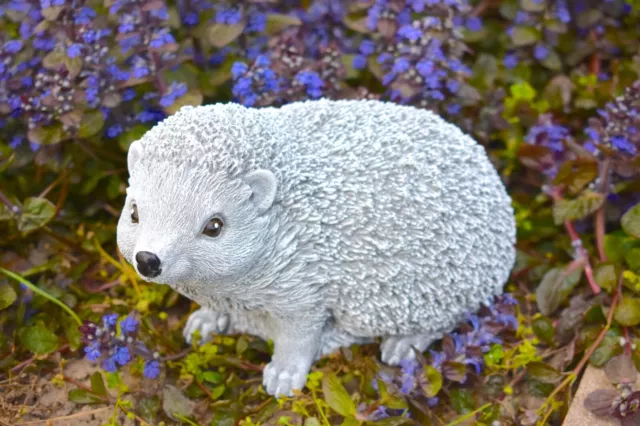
(109, 365)
(474, 24)
(510, 60)
(257, 23)
(147, 116)
(129, 325)
(540, 52)
(367, 47)
(162, 38)
(174, 91)
(409, 366)
(84, 16)
(128, 94)
(92, 351)
(623, 145)
(407, 384)
(140, 71)
(312, 81)
(151, 369)
(401, 65)
(74, 50)
(359, 62)
(410, 32)
(122, 355)
(13, 46)
(112, 132)
(238, 69)
(110, 320)
(228, 16)
(453, 108)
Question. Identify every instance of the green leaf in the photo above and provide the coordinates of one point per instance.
(174, 403)
(588, 18)
(71, 332)
(419, 411)
(434, 381)
(97, 384)
(606, 349)
(627, 312)
(454, 371)
(217, 391)
(53, 59)
(532, 5)
(358, 24)
(7, 295)
(615, 246)
(606, 276)
(587, 203)
(36, 213)
(494, 355)
(543, 372)
(632, 257)
(543, 329)
(462, 401)
(149, 408)
(212, 377)
(337, 396)
(552, 61)
(242, 345)
(47, 135)
(91, 124)
(38, 339)
(524, 36)
(555, 287)
(350, 421)
(631, 221)
(312, 421)
(221, 35)
(81, 396)
(391, 421)
(130, 136)
(7, 157)
(277, 22)
(51, 13)
(74, 65)
(522, 91)
(192, 97)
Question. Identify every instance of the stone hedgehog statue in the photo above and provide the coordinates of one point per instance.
(318, 224)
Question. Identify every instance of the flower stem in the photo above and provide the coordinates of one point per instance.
(42, 293)
(469, 415)
(576, 371)
(600, 217)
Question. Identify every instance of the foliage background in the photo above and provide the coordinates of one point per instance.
(546, 86)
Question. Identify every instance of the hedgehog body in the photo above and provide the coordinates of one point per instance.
(341, 221)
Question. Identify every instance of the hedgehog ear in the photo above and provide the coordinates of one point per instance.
(135, 153)
(263, 185)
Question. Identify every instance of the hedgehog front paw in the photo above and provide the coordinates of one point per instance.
(208, 322)
(397, 348)
(281, 379)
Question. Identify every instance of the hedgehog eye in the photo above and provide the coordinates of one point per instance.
(213, 227)
(134, 213)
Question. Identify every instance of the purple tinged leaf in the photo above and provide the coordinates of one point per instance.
(600, 402)
(621, 369)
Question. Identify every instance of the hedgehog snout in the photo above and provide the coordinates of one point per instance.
(148, 264)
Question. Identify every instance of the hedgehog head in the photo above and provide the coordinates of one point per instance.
(193, 214)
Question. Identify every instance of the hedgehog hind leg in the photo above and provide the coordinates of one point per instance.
(335, 337)
(401, 347)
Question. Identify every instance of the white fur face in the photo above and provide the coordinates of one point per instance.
(174, 204)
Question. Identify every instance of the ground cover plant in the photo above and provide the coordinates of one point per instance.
(551, 88)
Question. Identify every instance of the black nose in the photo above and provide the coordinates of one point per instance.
(148, 264)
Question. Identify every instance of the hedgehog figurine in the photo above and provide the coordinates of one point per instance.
(318, 224)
